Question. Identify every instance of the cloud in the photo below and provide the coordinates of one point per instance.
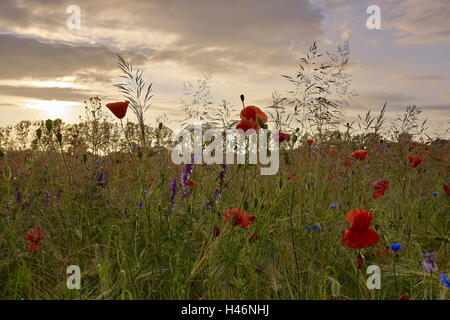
(36, 58)
(421, 21)
(416, 78)
(207, 35)
(47, 93)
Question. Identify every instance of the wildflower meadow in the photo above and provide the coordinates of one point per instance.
(357, 210)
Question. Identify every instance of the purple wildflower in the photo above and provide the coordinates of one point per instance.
(218, 191)
(173, 189)
(184, 179)
(47, 198)
(428, 262)
(18, 196)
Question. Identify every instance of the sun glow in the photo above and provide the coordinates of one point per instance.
(52, 108)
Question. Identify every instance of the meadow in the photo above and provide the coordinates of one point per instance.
(107, 198)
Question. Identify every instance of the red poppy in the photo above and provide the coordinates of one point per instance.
(249, 118)
(360, 235)
(331, 151)
(360, 262)
(119, 109)
(346, 162)
(259, 269)
(380, 186)
(197, 296)
(34, 235)
(253, 238)
(216, 230)
(280, 137)
(310, 142)
(239, 218)
(413, 145)
(446, 189)
(291, 176)
(190, 182)
(404, 297)
(118, 161)
(414, 161)
(360, 155)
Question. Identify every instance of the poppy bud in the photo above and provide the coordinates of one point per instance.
(84, 159)
(59, 137)
(49, 125)
(7, 173)
(216, 230)
(286, 159)
(160, 126)
(335, 288)
(242, 97)
(261, 122)
(39, 133)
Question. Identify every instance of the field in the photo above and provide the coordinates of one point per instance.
(117, 217)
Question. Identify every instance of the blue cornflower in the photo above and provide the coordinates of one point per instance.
(435, 193)
(316, 228)
(145, 192)
(333, 206)
(140, 205)
(445, 281)
(396, 246)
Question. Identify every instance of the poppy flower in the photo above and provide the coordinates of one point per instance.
(346, 162)
(310, 142)
(360, 155)
(360, 262)
(280, 137)
(380, 186)
(253, 238)
(119, 109)
(413, 145)
(34, 235)
(239, 218)
(360, 235)
(259, 270)
(414, 161)
(216, 230)
(191, 182)
(446, 189)
(291, 176)
(249, 118)
(404, 297)
(331, 151)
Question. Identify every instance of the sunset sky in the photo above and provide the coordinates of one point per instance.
(48, 70)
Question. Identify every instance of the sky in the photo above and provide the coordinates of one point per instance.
(47, 69)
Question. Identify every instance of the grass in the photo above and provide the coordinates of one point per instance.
(125, 252)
